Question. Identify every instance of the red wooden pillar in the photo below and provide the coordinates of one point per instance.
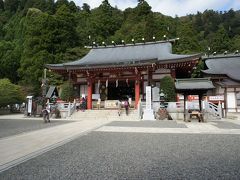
(89, 96)
(137, 92)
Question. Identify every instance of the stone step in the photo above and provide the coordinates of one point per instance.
(105, 114)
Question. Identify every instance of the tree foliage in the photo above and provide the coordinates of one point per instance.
(10, 93)
(37, 32)
(168, 88)
(67, 91)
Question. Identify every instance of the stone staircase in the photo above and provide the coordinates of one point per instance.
(106, 114)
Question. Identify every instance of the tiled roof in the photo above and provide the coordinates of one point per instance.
(155, 52)
(227, 65)
(194, 84)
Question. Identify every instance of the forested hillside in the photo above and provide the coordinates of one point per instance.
(37, 32)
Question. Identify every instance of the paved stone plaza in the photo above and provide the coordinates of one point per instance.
(14, 127)
(126, 150)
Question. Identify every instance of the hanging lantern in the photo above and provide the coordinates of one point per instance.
(107, 83)
(136, 70)
(99, 83)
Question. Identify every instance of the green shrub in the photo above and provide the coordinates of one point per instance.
(168, 88)
(67, 91)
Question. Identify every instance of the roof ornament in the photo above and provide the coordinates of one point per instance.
(113, 43)
(165, 37)
(136, 70)
(107, 83)
(89, 39)
(104, 44)
(176, 40)
(99, 82)
(208, 51)
(94, 44)
(88, 73)
(133, 41)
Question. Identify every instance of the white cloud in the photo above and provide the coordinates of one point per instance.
(121, 4)
(171, 7)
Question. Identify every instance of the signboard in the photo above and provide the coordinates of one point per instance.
(110, 104)
(193, 97)
(155, 94)
(96, 96)
(216, 98)
(29, 105)
(148, 97)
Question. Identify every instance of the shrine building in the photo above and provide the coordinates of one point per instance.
(118, 71)
(223, 69)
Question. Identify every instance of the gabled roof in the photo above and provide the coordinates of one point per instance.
(152, 52)
(193, 84)
(228, 83)
(50, 91)
(227, 65)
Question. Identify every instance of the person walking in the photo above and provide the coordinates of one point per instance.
(126, 106)
(45, 112)
(119, 106)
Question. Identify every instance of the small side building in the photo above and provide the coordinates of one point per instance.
(224, 71)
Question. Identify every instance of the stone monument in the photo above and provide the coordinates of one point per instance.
(148, 111)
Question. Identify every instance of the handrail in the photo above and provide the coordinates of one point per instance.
(213, 109)
(67, 107)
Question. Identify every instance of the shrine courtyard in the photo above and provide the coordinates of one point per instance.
(123, 150)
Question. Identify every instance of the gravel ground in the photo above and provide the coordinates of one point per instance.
(151, 124)
(11, 127)
(226, 125)
(99, 155)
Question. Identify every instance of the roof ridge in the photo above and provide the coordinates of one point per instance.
(133, 44)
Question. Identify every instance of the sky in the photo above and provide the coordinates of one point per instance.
(171, 7)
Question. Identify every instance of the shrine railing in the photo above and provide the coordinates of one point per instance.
(67, 109)
(213, 109)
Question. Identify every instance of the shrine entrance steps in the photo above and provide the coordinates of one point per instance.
(111, 115)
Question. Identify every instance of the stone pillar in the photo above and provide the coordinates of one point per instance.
(185, 111)
(200, 101)
(148, 111)
(89, 96)
(137, 92)
(149, 73)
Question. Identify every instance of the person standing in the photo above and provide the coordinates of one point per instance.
(84, 104)
(129, 102)
(99, 103)
(126, 106)
(78, 104)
